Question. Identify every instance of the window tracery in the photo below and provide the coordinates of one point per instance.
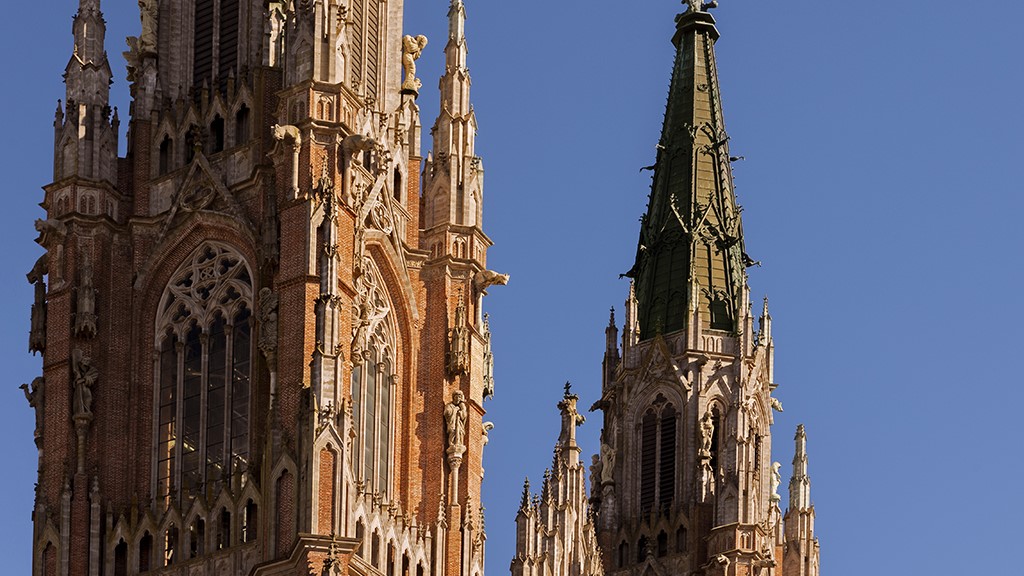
(658, 440)
(373, 358)
(204, 343)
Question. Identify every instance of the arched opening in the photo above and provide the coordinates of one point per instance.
(360, 535)
(145, 552)
(121, 559)
(681, 539)
(242, 125)
(224, 530)
(217, 134)
(658, 456)
(623, 557)
(250, 521)
(166, 146)
(398, 185)
(391, 560)
(662, 544)
(641, 549)
(375, 550)
(197, 538)
(170, 545)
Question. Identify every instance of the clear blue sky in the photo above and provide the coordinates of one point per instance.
(881, 189)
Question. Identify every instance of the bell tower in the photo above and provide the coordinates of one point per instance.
(252, 363)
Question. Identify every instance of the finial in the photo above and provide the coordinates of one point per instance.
(526, 494)
(568, 389)
(611, 317)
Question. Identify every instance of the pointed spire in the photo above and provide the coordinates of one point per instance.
(691, 234)
(800, 483)
(87, 76)
(524, 504)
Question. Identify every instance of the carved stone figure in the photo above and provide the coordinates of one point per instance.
(607, 463)
(776, 481)
(281, 132)
(776, 404)
(488, 361)
(596, 475)
(487, 278)
(83, 376)
(85, 315)
(707, 432)
(458, 353)
(35, 400)
(37, 330)
(51, 236)
(455, 414)
(267, 339)
(412, 47)
(149, 11)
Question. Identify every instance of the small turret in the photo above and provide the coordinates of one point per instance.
(801, 556)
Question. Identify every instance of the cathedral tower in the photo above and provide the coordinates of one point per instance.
(258, 358)
(684, 482)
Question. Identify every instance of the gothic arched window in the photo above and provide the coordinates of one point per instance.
(204, 343)
(658, 456)
(373, 358)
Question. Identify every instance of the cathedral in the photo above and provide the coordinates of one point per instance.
(263, 336)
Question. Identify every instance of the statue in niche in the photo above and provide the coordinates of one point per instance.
(776, 481)
(707, 432)
(455, 414)
(607, 463)
(83, 376)
(150, 13)
(34, 396)
(458, 354)
(37, 331)
(412, 47)
(267, 339)
(85, 315)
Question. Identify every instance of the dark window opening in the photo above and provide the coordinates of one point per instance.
(145, 552)
(192, 141)
(391, 560)
(224, 533)
(623, 554)
(375, 550)
(197, 538)
(717, 420)
(648, 455)
(250, 521)
(667, 464)
(720, 317)
(170, 545)
(681, 539)
(242, 125)
(121, 559)
(662, 544)
(641, 549)
(360, 534)
(217, 134)
(165, 154)
(202, 69)
(398, 185)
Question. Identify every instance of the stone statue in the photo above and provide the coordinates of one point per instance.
(694, 5)
(776, 404)
(85, 315)
(776, 481)
(35, 400)
(412, 47)
(83, 376)
(267, 340)
(458, 353)
(484, 279)
(607, 463)
(455, 414)
(37, 330)
(51, 236)
(707, 432)
(150, 10)
(596, 475)
(281, 132)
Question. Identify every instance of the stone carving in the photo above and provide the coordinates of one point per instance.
(370, 307)
(83, 376)
(51, 236)
(149, 12)
(280, 133)
(487, 278)
(412, 47)
(607, 463)
(776, 480)
(458, 348)
(269, 233)
(487, 427)
(267, 339)
(776, 404)
(707, 432)
(455, 414)
(488, 360)
(37, 331)
(596, 475)
(133, 56)
(35, 400)
(85, 315)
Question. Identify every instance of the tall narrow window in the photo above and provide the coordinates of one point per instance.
(658, 456)
(228, 42)
(250, 521)
(217, 134)
(165, 154)
(242, 125)
(202, 67)
(372, 376)
(145, 552)
(204, 354)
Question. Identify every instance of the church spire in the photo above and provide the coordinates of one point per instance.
(87, 75)
(800, 483)
(453, 174)
(690, 254)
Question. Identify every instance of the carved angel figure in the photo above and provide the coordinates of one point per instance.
(455, 414)
(412, 47)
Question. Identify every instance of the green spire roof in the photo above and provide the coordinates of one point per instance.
(690, 255)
